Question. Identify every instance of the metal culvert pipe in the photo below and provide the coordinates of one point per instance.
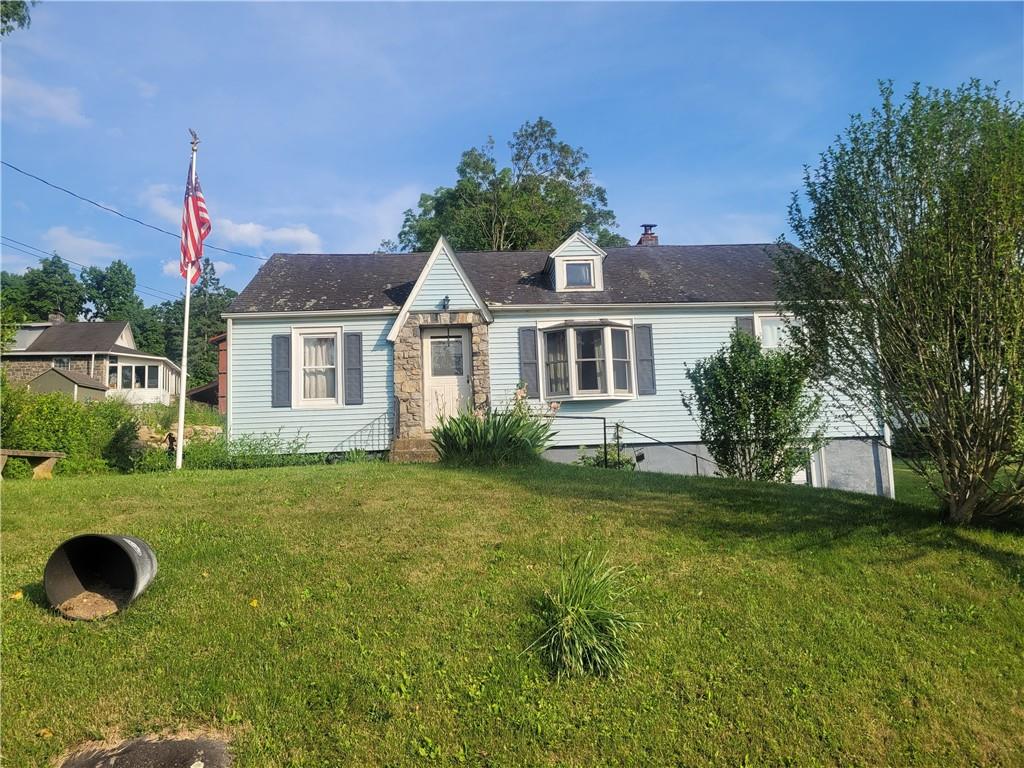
(96, 574)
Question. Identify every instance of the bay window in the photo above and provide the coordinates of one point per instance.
(587, 362)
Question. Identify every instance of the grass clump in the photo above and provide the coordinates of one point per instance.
(585, 627)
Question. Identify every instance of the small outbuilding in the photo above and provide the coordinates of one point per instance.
(77, 386)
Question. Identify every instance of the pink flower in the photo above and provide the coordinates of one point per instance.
(555, 406)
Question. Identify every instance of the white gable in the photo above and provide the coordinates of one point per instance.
(577, 265)
(442, 284)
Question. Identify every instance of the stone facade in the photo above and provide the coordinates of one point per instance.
(22, 369)
(408, 368)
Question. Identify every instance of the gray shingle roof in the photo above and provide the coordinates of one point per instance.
(632, 275)
(78, 337)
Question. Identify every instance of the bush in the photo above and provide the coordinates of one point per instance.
(90, 434)
(515, 435)
(585, 627)
(165, 417)
(617, 456)
(246, 452)
(17, 469)
(756, 416)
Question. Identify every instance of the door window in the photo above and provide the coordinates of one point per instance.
(446, 356)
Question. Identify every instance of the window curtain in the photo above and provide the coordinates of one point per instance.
(319, 372)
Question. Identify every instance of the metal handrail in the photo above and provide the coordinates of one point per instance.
(697, 458)
(604, 429)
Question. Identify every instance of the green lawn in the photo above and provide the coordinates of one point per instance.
(784, 625)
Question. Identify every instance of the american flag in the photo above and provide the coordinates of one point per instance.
(195, 226)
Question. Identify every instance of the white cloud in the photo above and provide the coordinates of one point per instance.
(24, 98)
(298, 238)
(146, 89)
(171, 269)
(157, 197)
(80, 248)
(223, 267)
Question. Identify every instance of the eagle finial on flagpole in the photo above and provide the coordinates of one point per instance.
(195, 139)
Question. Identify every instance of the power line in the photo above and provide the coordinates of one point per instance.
(108, 209)
(47, 254)
(82, 269)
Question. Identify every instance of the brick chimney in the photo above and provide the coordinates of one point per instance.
(57, 318)
(648, 237)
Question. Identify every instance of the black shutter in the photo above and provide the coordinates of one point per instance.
(643, 341)
(353, 369)
(529, 371)
(281, 370)
(745, 323)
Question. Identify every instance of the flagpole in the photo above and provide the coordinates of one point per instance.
(179, 444)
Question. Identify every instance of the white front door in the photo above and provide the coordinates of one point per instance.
(447, 373)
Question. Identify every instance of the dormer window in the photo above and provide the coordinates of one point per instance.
(576, 265)
(579, 274)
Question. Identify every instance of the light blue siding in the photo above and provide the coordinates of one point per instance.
(680, 338)
(443, 280)
(365, 426)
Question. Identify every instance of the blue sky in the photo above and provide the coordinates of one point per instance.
(322, 122)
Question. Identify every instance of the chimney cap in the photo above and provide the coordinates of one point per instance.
(56, 317)
(648, 228)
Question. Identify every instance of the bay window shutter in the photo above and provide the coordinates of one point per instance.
(529, 370)
(745, 323)
(643, 341)
(281, 370)
(353, 369)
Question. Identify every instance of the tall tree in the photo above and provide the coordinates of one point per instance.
(52, 287)
(14, 14)
(546, 193)
(909, 284)
(110, 292)
(209, 300)
(14, 293)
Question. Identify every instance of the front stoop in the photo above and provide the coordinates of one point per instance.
(407, 450)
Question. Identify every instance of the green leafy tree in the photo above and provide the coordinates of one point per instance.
(10, 319)
(13, 294)
(14, 14)
(209, 300)
(52, 287)
(909, 284)
(756, 416)
(110, 292)
(546, 193)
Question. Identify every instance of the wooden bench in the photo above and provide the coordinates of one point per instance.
(42, 462)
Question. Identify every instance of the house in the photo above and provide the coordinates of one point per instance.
(370, 350)
(98, 357)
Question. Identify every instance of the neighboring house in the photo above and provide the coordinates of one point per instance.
(102, 352)
(370, 350)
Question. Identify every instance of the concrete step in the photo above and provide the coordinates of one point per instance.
(413, 457)
(413, 449)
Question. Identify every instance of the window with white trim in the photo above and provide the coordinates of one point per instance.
(316, 353)
(588, 362)
(771, 329)
(579, 274)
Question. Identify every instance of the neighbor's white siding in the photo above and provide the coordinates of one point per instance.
(680, 338)
(443, 280)
(324, 429)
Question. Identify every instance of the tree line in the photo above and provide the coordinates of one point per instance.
(108, 294)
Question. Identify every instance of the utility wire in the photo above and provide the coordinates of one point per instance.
(47, 254)
(81, 269)
(108, 209)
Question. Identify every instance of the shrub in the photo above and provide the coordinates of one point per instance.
(585, 627)
(82, 465)
(756, 416)
(613, 456)
(245, 452)
(17, 469)
(165, 417)
(492, 437)
(51, 422)
(115, 430)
